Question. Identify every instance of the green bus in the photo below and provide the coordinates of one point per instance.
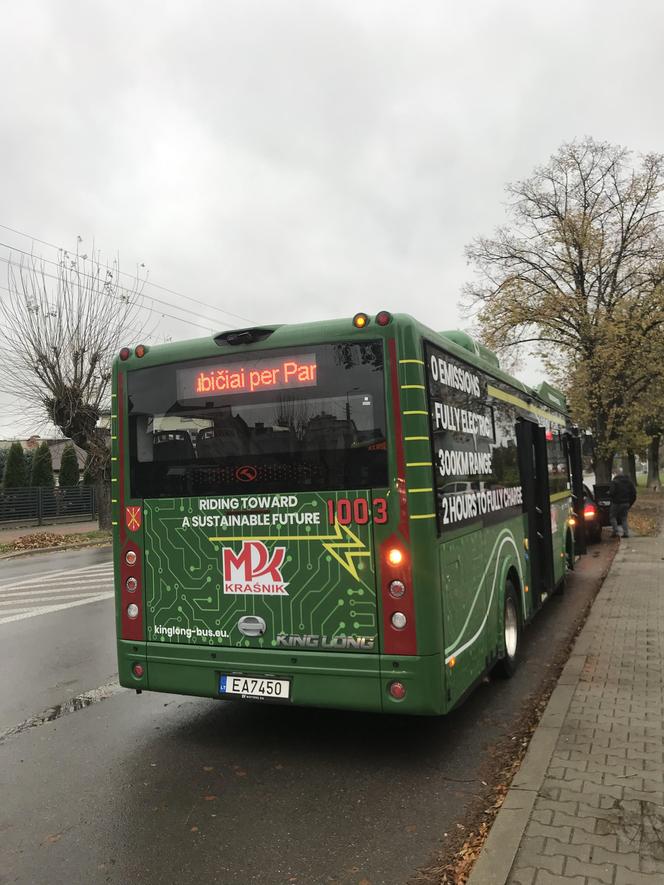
(361, 513)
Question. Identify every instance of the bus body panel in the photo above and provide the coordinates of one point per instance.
(322, 679)
(446, 570)
(271, 562)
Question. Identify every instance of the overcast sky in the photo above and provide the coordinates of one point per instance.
(288, 161)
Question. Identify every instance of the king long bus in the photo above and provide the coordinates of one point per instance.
(358, 514)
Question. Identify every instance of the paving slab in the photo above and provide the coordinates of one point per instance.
(587, 805)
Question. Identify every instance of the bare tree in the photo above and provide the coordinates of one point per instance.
(63, 323)
(579, 271)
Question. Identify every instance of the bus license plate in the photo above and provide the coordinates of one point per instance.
(255, 687)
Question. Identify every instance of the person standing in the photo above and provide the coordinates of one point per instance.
(622, 493)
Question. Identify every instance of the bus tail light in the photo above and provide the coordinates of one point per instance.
(399, 637)
(383, 318)
(131, 577)
(395, 556)
(140, 351)
(138, 670)
(360, 320)
(125, 353)
(397, 690)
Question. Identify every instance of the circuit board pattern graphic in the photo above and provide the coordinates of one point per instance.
(329, 569)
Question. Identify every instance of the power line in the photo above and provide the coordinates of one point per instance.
(117, 298)
(126, 273)
(91, 276)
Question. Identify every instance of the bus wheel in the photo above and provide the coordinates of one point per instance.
(507, 665)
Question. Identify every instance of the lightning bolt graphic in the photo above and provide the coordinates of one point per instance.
(344, 544)
(345, 548)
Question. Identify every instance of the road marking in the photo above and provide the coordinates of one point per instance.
(42, 577)
(25, 594)
(62, 596)
(40, 586)
(33, 613)
(55, 591)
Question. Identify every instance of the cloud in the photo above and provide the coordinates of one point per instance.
(301, 160)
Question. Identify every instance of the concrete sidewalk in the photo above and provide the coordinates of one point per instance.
(60, 528)
(587, 805)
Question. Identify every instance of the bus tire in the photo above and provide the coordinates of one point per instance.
(569, 552)
(507, 665)
(569, 564)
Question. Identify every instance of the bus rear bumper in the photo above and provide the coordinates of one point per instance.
(341, 680)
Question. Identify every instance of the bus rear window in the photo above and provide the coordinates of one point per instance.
(295, 419)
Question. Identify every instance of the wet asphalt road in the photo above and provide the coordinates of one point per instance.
(161, 789)
(49, 659)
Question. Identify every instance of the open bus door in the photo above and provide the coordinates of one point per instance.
(573, 446)
(531, 441)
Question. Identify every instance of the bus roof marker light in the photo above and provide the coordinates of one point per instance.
(360, 320)
(383, 318)
(141, 350)
(397, 690)
(452, 662)
(132, 611)
(125, 353)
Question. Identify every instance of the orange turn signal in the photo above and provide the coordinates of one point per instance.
(395, 556)
(360, 320)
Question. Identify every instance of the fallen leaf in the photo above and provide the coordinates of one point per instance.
(210, 798)
(208, 768)
(194, 829)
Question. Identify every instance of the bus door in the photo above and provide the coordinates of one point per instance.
(573, 448)
(531, 441)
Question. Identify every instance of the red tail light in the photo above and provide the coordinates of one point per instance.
(397, 690)
(130, 583)
(589, 511)
(399, 637)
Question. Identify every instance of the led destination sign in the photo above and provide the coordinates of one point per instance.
(257, 376)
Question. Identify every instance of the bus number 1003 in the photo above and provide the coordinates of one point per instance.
(346, 511)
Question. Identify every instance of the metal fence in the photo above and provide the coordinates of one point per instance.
(43, 504)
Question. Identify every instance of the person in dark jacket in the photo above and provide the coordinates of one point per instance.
(622, 493)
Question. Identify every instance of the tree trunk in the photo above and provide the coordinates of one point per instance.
(630, 466)
(653, 463)
(603, 470)
(103, 497)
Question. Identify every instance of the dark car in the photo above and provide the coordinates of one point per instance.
(595, 515)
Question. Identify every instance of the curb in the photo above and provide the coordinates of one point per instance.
(16, 553)
(496, 858)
